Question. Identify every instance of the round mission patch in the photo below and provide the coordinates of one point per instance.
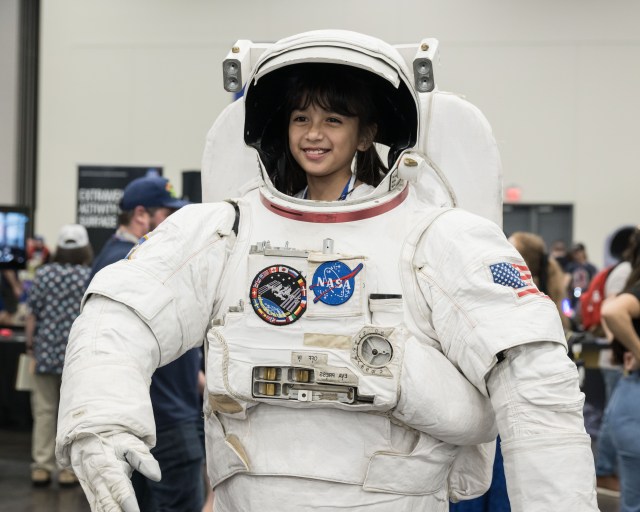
(279, 294)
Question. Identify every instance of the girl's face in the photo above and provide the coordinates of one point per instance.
(324, 143)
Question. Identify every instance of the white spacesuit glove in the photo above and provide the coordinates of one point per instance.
(103, 465)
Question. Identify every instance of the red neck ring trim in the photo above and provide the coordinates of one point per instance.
(335, 217)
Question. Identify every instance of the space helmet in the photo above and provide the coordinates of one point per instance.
(340, 57)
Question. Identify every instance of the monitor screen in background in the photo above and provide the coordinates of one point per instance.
(13, 237)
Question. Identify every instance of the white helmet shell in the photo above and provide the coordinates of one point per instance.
(454, 145)
(389, 83)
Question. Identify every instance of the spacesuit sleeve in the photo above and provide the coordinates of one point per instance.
(479, 298)
(548, 462)
(138, 314)
(484, 308)
(110, 357)
(170, 278)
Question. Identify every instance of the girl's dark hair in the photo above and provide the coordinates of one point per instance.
(338, 89)
(79, 256)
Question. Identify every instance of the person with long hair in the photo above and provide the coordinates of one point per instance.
(546, 272)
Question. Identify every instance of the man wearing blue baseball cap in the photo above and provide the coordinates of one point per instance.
(145, 203)
(176, 401)
(151, 191)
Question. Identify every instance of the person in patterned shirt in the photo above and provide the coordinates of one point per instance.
(54, 303)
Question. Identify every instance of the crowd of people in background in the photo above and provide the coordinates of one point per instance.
(576, 286)
(45, 298)
(603, 307)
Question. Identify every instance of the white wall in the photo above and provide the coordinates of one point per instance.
(8, 99)
(139, 82)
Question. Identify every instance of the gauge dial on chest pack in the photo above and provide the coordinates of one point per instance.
(375, 351)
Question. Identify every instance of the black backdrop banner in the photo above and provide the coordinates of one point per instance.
(100, 189)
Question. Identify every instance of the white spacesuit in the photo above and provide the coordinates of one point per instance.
(359, 353)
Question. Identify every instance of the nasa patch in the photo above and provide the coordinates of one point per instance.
(334, 282)
(279, 295)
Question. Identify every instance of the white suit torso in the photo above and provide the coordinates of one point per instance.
(331, 395)
(400, 445)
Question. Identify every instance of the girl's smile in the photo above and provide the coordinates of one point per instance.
(315, 154)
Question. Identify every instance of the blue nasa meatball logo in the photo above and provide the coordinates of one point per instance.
(334, 282)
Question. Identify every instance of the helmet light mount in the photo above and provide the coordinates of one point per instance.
(239, 63)
(245, 54)
(392, 84)
(420, 59)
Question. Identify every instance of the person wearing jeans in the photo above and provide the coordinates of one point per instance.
(623, 421)
(622, 317)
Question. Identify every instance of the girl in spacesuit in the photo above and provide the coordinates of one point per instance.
(362, 340)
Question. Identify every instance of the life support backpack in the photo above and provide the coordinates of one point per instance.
(591, 300)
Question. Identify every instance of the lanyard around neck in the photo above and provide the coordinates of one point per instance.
(348, 188)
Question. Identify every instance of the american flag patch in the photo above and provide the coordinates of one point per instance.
(514, 276)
